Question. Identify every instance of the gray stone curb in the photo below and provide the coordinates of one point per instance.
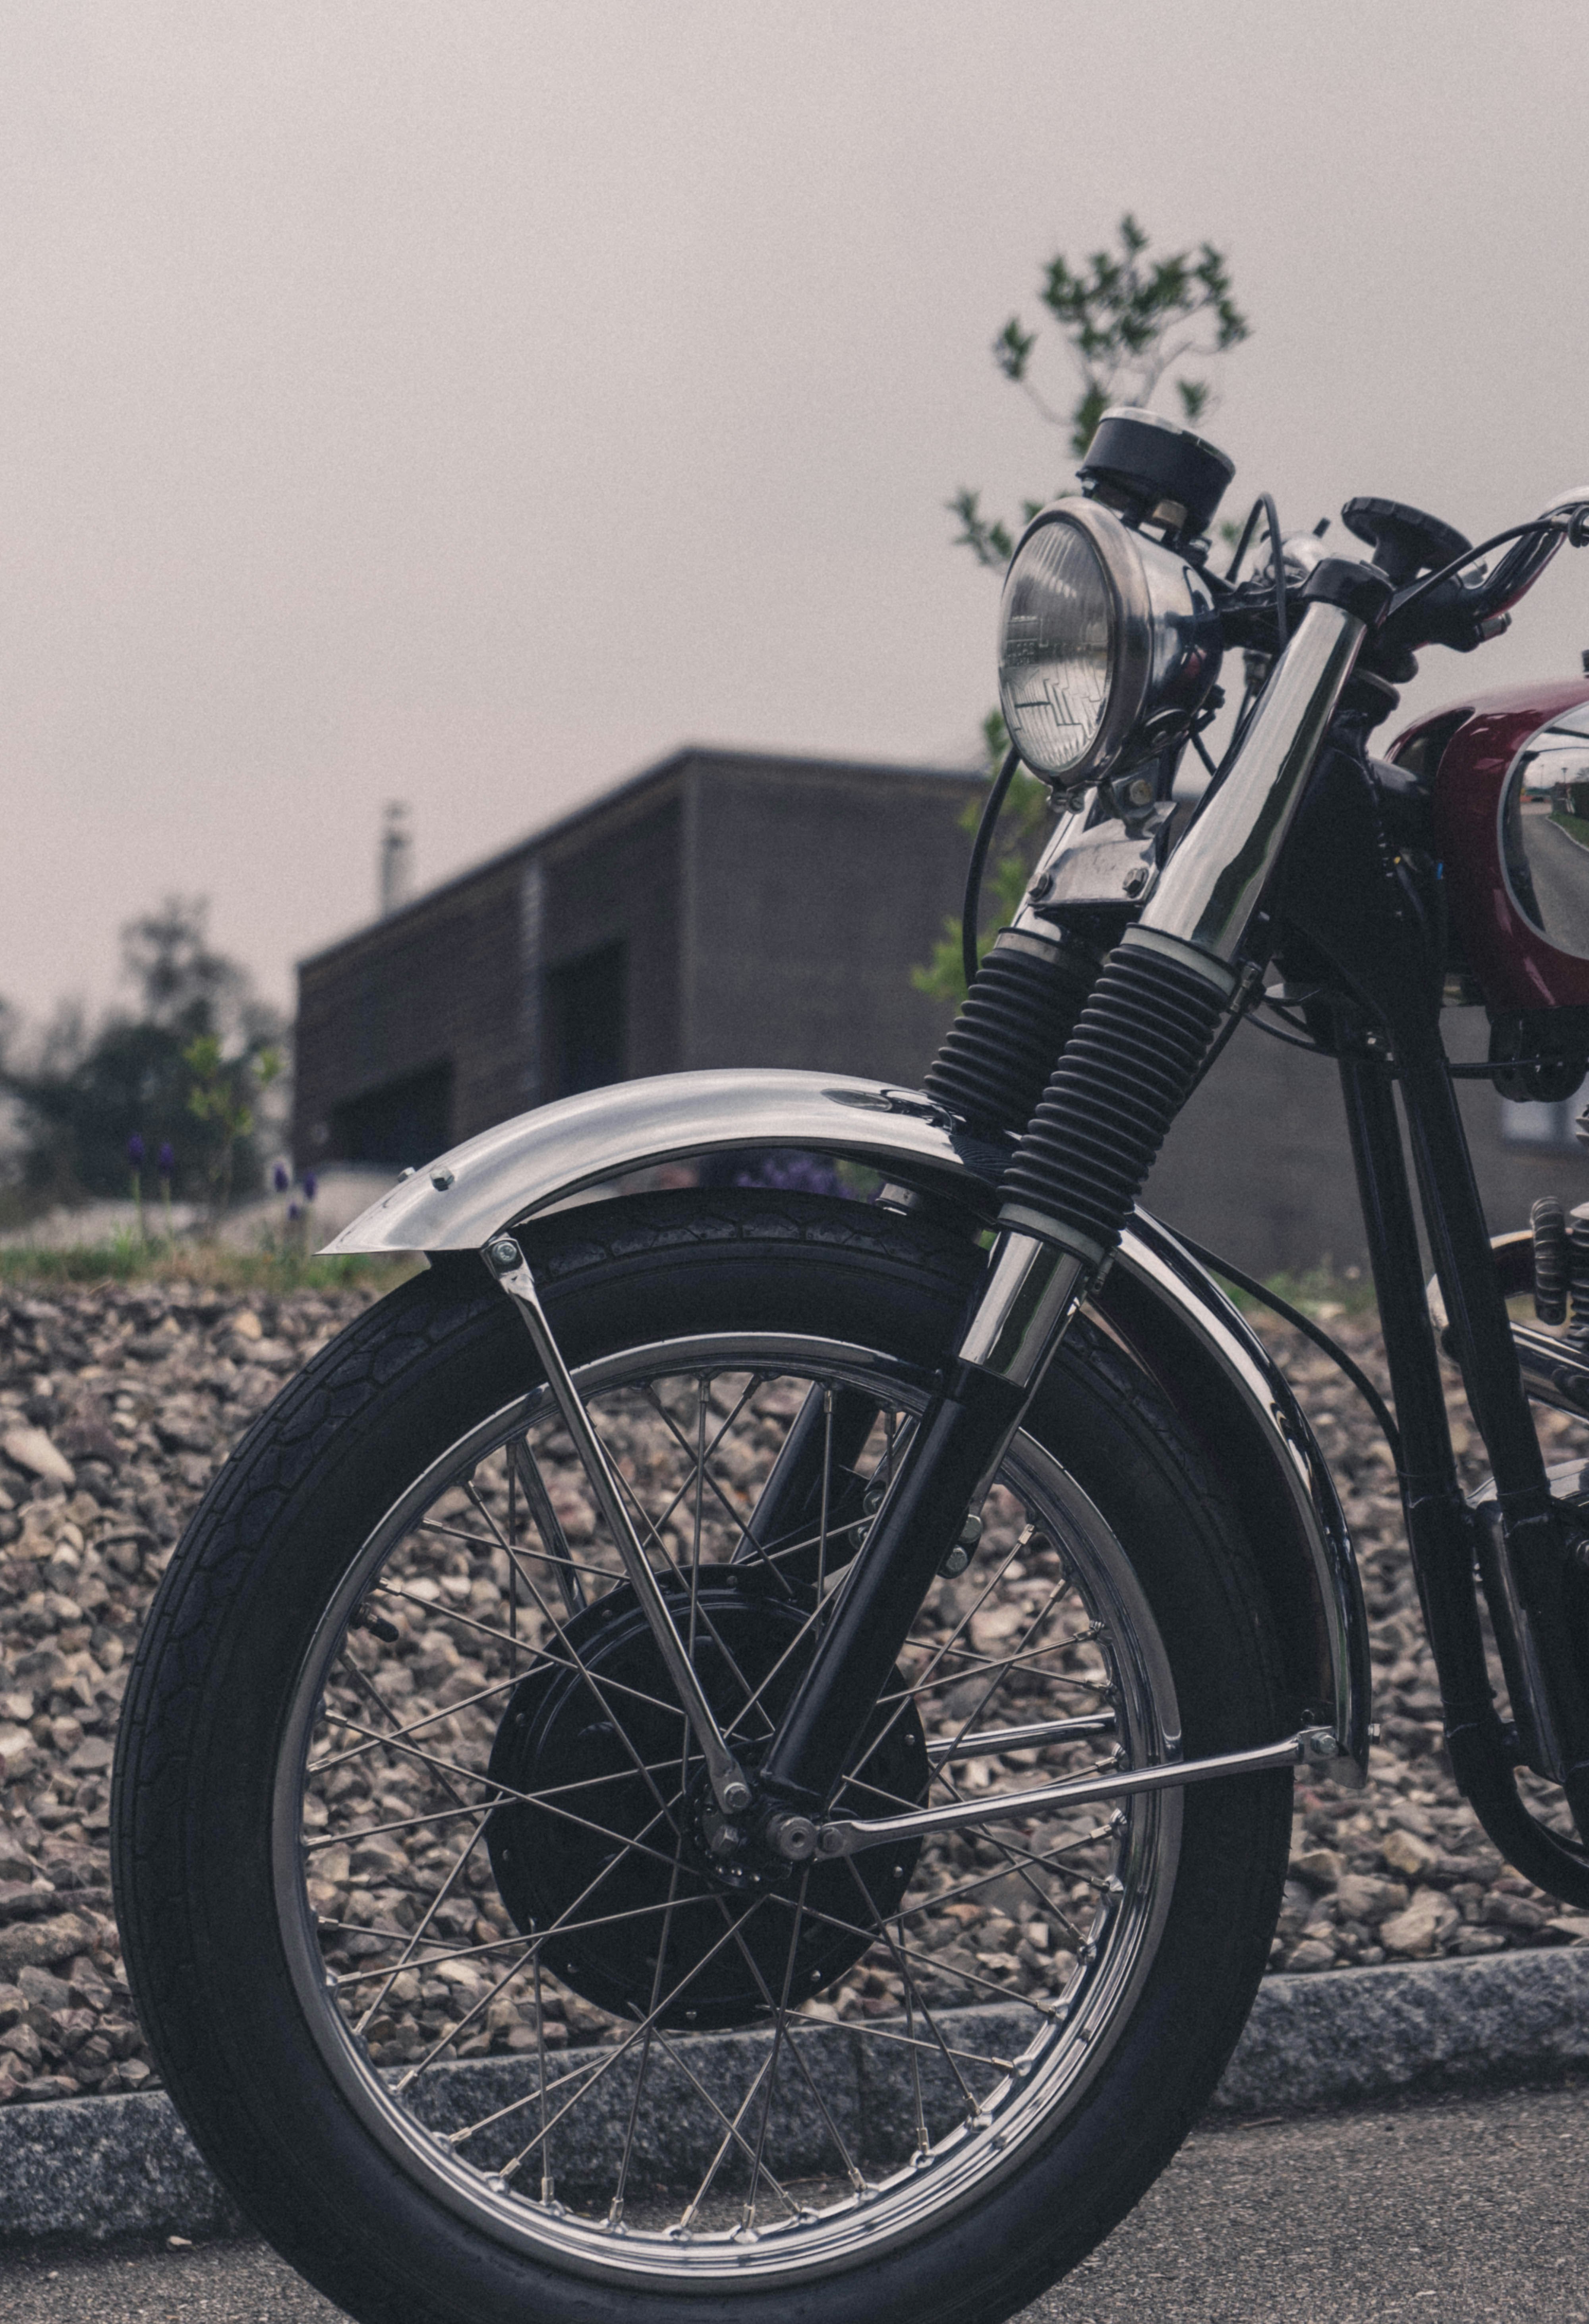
(91, 2170)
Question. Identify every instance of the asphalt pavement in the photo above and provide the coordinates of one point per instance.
(1471, 2210)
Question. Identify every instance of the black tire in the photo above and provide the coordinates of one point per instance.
(251, 2055)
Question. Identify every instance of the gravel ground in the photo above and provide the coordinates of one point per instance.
(117, 1405)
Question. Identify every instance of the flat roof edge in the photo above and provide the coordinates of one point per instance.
(713, 754)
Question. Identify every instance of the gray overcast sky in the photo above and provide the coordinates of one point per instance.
(466, 404)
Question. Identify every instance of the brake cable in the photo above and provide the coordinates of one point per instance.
(972, 905)
(1309, 1330)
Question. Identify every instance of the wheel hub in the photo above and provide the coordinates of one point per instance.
(610, 1855)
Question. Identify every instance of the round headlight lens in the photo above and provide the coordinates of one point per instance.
(1057, 646)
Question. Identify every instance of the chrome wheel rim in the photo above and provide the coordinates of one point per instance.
(552, 2126)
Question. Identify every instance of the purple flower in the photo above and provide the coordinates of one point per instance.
(279, 1178)
(293, 1212)
(136, 1151)
(309, 1184)
(168, 1161)
(803, 1174)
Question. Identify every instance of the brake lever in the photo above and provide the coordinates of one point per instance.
(1461, 617)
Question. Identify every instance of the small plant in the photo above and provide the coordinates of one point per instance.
(167, 1167)
(135, 1157)
(295, 1233)
(222, 1093)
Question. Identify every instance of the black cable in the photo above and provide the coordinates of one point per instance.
(1292, 1040)
(1263, 506)
(1309, 1330)
(1459, 564)
(1298, 1025)
(1277, 559)
(979, 847)
(1217, 1046)
(1235, 567)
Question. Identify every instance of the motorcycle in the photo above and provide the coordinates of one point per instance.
(734, 1744)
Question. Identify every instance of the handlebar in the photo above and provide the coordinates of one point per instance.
(1463, 616)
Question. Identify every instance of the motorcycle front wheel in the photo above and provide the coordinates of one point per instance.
(406, 1816)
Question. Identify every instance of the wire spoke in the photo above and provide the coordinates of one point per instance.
(334, 1717)
(779, 2029)
(525, 1473)
(619, 2050)
(519, 1549)
(505, 1792)
(543, 1659)
(437, 1902)
(704, 1476)
(632, 2006)
(925, 1959)
(753, 1965)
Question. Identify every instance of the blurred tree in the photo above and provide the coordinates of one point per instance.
(84, 1094)
(1126, 320)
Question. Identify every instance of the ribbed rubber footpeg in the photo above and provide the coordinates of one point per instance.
(1012, 1025)
(1124, 1075)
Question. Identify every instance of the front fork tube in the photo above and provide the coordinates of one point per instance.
(807, 1519)
(1071, 1188)
(947, 1470)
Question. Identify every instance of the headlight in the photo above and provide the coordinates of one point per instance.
(1108, 644)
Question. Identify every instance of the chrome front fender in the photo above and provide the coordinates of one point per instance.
(522, 1167)
(1159, 1305)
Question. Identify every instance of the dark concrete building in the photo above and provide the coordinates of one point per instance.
(731, 907)
(726, 908)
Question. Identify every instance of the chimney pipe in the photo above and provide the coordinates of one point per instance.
(395, 861)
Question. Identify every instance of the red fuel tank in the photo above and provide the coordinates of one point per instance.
(1510, 776)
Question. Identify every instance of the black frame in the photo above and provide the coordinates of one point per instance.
(1361, 902)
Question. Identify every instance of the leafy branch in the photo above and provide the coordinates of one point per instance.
(1126, 320)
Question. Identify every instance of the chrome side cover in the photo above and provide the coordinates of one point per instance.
(531, 1165)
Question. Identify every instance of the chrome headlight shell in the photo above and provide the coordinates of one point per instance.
(1108, 644)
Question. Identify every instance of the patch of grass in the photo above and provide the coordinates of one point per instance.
(1573, 825)
(127, 1260)
(1317, 1291)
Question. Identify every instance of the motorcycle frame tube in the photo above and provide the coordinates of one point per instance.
(1164, 1311)
(1432, 1501)
(1481, 1332)
(1439, 1525)
(1355, 899)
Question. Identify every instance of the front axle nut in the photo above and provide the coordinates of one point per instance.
(794, 1836)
